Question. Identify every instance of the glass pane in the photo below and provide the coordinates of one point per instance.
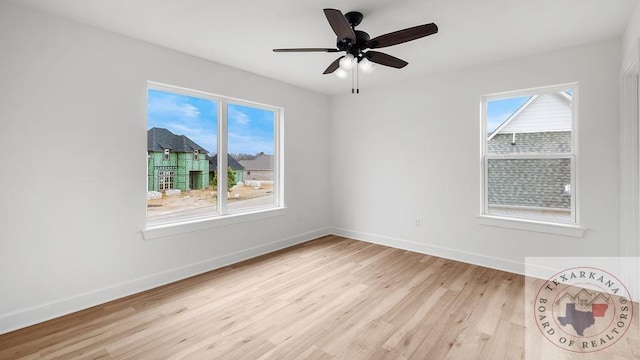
(530, 124)
(179, 183)
(530, 188)
(251, 145)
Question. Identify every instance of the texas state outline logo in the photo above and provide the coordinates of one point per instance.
(583, 309)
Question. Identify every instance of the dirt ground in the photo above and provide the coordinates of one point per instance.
(193, 199)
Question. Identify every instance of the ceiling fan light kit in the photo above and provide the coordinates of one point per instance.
(366, 66)
(356, 44)
(341, 73)
(348, 62)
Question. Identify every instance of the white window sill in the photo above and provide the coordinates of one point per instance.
(532, 225)
(177, 228)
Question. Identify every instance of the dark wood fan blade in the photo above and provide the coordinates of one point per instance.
(401, 36)
(385, 59)
(340, 25)
(334, 66)
(307, 50)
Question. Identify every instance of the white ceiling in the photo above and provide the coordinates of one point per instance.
(243, 33)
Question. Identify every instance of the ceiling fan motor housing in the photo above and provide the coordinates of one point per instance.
(354, 49)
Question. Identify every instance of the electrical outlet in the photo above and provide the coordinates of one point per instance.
(417, 223)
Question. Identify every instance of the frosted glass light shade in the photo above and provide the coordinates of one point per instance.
(347, 62)
(366, 66)
(341, 73)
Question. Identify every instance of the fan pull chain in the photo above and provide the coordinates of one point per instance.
(355, 69)
(355, 80)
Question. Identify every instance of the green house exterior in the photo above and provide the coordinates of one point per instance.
(175, 162)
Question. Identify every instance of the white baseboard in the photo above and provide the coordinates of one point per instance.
(443, 252)
(37, 314)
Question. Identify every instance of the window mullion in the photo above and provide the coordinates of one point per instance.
(222, 158)
(574, 190)
(277, 166)
(485, 167)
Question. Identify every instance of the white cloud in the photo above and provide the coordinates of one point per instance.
(249, 144)
(188, 110)
(172, 106)
(238, 116)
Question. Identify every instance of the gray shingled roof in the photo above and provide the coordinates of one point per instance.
(540, 142)
(159, 139)
(231, 162)
(262, 162)
(530, 182)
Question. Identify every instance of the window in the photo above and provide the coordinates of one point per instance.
(165, 180)
(200, 148)
(529, 154)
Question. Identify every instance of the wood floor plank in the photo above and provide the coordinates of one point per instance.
(330, 298)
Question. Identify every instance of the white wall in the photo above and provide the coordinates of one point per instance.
(629, 154)
(72, 190)
(631, 36)
(411, 151)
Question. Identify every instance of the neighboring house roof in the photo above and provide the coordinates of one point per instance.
(159, 139)
(262, 162)
(542, 142)
(541, 113)
(529, 182)
(231, 162)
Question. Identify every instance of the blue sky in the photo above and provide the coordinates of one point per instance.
(499, 110)
(250, 130)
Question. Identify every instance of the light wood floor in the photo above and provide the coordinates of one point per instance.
(331, 298)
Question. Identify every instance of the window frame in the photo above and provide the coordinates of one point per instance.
(223, 216)
(530, 223)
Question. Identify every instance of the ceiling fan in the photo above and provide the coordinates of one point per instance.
(356, 44)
